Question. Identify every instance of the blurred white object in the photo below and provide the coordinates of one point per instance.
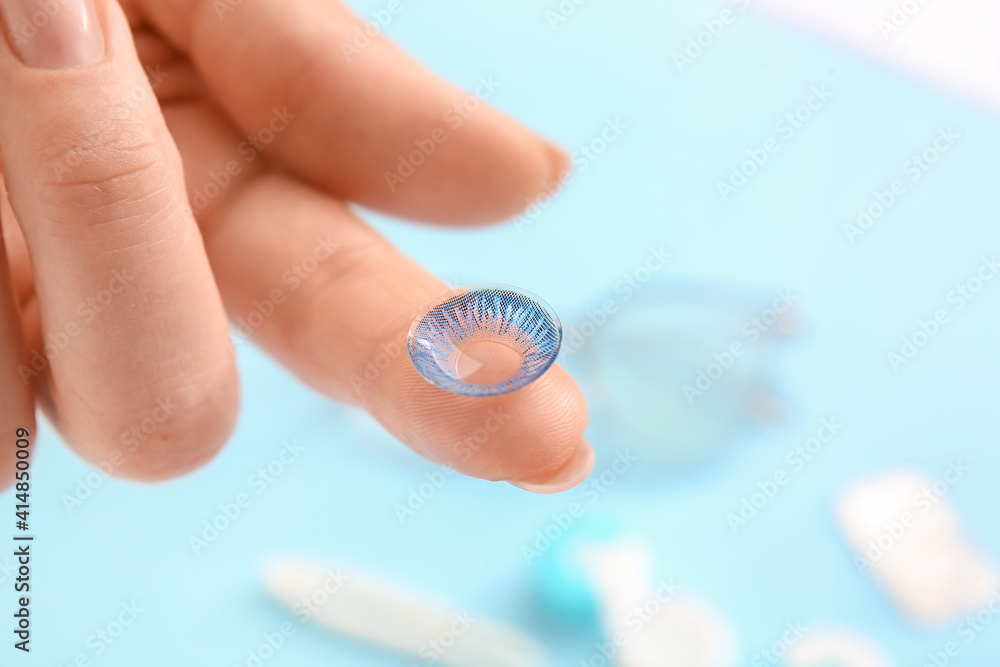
(820, 648)
(907, 535)
(686, 632)
(654, 625)
(381, 613)
(953, 42)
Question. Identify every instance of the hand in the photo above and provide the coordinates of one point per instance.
(115, 300)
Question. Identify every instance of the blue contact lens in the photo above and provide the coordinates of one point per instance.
(485, 340)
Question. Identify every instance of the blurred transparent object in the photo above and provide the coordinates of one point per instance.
(636, 362)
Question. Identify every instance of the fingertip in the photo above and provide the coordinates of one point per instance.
(576, 470)
(518, 172)
(553, 170)
(531, 436)
(192, 443)
(490, 170)
(171, 432)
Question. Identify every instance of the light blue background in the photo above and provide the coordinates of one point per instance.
(656, 185)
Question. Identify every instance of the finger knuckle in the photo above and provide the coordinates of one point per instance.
(115, 173)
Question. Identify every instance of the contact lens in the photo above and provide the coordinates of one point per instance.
(485, 340)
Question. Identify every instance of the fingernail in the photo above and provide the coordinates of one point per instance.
(574, 472)
(559, 165)
(54, 34)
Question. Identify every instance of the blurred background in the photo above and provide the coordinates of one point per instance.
(661, 134)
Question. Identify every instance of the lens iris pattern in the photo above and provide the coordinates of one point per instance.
(495, 314)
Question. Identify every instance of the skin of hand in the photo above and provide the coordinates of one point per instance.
(167, 163)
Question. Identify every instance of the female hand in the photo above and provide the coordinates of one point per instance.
(172, 161)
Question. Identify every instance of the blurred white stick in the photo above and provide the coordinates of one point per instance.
(381, 613)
